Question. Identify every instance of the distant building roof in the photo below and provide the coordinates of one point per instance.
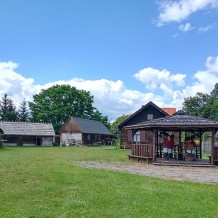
(169, 111)
(27, 128)
(91, 126)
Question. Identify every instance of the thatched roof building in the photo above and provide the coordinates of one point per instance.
(27, 133)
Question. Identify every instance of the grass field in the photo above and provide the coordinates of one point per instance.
(47, 182)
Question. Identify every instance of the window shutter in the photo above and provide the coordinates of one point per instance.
(129, 135)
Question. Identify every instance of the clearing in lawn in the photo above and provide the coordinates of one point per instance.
(53, 182)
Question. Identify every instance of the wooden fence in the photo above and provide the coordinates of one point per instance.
(142, 152)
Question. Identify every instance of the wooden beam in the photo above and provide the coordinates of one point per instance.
(155, 142)
(200, 137)
(212, 146)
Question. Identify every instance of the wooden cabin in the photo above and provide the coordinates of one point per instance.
(26, 134)
(147, 112)
(80, 131)
(179, 122)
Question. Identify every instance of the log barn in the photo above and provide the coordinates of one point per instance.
(80, 131)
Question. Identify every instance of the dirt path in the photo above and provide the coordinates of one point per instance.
(194, 174)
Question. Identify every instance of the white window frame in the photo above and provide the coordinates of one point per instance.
(136, 137)
(150, 116)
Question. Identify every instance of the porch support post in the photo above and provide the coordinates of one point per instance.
(155, 142)
(180, 142)
(201, 136)
(212, 146)
(201, 133)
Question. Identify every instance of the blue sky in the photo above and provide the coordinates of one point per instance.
(124, 52)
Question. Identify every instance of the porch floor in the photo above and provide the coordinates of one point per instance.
(173, 162)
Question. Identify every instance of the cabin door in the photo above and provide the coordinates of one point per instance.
(38, 141)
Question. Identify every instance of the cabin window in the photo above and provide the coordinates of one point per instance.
(136, 137)
(150, 117)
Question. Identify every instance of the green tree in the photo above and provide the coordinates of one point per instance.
(7, 109)
(96, 115)
(23, 113)
(214, 92)
(196, 105)
(114, 126)
(213, 103)
(12, 113)
(3, 107)
(203, 105)
(57, 103)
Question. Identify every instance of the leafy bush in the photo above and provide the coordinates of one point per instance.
(55, 144)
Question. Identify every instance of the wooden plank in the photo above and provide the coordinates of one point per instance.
(138, 158)
(129, 135)
(142, 136)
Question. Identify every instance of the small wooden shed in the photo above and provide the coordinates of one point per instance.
(26, 134)
(179, 122)
(84, 132)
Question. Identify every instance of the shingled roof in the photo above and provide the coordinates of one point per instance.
(27, 128)
(179, 120)
(91, 126)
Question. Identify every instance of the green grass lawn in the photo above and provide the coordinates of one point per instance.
(47, 182)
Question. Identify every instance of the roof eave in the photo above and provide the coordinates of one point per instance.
(172, 127)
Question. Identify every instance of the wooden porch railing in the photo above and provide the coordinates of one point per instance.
(142, 152)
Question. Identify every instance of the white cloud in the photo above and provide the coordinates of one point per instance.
(185, 27)
(173, 86)
(112, 98)
(212, 64)
(14, 84)
(206, 28)
(152, 78)
(176, 11)
(206, 79)
(175, 35)
(165, 83)
(204, 82)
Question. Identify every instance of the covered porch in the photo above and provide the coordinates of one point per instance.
(179, 124)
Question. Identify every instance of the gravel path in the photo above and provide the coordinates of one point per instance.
(194, 174)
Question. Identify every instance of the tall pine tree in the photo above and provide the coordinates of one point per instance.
(7, 109)
(23, 112)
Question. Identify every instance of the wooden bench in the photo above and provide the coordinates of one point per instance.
(138, 158)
